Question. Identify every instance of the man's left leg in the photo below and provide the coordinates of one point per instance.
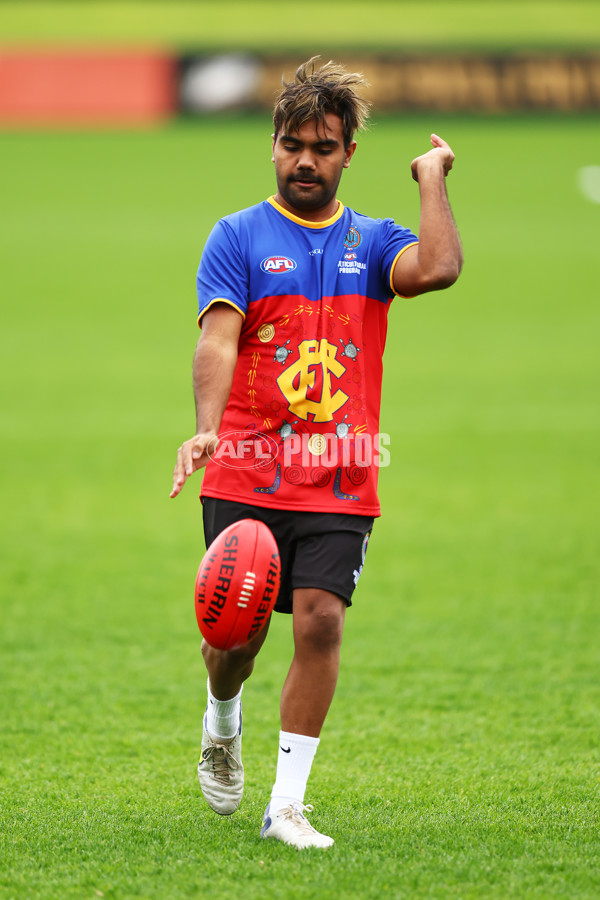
(318, 622)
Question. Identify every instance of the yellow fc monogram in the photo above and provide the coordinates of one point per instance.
(298, 379)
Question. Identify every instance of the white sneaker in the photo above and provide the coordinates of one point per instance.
(220, 771)
(292, 827)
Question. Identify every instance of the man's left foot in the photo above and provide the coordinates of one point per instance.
(291, 826)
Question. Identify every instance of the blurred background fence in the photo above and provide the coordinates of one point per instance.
(137, 87)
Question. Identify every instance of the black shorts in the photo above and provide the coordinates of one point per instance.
(317, 550)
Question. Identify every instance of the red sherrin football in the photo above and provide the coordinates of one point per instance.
(237, 584)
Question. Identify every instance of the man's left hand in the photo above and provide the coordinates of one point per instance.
(441, 156)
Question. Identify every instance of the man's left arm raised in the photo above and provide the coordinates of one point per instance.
(436, 261)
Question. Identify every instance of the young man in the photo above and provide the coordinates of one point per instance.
(293, 301)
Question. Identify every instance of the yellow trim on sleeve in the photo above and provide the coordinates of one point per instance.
(337, 215)
(220, 300)
(393, 266)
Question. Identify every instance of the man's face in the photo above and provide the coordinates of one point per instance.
(309, 163)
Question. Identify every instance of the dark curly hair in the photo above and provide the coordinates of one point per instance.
(316, 92)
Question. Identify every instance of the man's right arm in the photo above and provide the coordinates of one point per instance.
(214, 364)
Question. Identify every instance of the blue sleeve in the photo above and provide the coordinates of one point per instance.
(222, 273)
(393, 241)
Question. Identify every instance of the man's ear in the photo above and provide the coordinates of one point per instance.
(349, 153)
(273, 139)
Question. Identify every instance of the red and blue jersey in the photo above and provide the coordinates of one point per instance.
(301, 427)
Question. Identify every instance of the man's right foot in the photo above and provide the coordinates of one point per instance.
(220, 771)
(291, 826)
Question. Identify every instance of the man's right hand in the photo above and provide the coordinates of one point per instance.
(192, 455)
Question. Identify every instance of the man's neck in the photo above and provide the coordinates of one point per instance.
(310, 215)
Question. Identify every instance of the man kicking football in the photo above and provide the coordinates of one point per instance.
(293, 300)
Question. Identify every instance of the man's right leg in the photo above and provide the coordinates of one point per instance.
(220, 770)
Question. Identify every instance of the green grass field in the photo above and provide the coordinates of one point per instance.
(460, 758)
(237, 24)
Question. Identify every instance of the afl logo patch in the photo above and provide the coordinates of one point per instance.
(278, 265)
(352, 239)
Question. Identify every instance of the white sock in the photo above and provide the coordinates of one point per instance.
(296, 754)
(223, 716)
